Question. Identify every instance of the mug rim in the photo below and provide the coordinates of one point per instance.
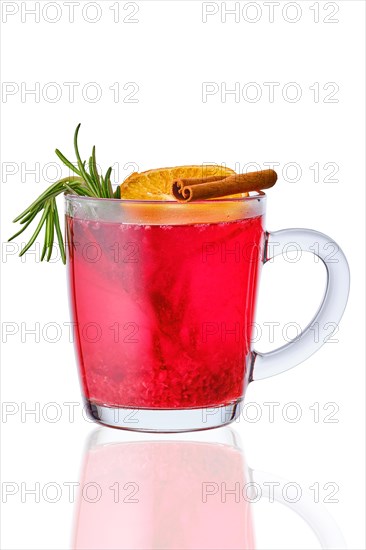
(259, 196)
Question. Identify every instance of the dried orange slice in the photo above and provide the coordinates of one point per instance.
(156, 184)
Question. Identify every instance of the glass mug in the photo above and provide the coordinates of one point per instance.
(163, 299)
(190, 491)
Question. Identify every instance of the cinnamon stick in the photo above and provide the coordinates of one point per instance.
(195, 181)
(186, 190)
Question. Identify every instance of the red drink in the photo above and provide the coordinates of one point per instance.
(164, 313)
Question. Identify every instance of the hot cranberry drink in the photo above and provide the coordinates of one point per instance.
(163, 275)
(164, 313)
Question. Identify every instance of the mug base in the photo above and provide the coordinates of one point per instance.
(164, 420)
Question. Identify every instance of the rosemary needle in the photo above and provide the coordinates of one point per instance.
(85, 183)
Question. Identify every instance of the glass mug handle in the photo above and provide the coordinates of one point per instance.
(330, 311)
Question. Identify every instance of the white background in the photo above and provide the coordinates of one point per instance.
(169, 52)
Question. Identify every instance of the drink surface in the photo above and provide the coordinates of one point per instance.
(163, 313)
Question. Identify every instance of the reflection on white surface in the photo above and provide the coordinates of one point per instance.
(189, 491)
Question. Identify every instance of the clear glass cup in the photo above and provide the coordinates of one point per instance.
(163, 299)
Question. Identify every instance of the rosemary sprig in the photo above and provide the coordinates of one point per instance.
(89, 184)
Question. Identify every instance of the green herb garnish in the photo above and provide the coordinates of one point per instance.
(85, 183)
